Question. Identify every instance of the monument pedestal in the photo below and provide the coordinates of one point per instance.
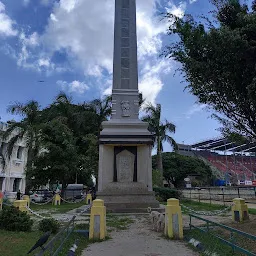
(125, 166)
(128, 197)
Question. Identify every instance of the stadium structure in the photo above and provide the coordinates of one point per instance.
(233, 163)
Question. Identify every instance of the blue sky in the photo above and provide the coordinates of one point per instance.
(69, 45)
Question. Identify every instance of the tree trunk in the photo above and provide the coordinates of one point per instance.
(29, 166)
(159, 159)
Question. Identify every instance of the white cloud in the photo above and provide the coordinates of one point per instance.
(31, 40)
(6, 23)
(74, 86)
(177, 10)
(196, 108)
(192, 1)
(76, 28)
(26, 2)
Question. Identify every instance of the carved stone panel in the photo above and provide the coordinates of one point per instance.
(125, 166)
(126, 109)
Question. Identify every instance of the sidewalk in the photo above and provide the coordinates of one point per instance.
(138, 240)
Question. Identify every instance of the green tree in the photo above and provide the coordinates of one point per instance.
(218, 62)
(177, 167)
(102, 108)
(58, 161)
(81, 123)
(28, 129)
(160, 130)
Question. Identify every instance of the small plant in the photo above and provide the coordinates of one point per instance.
(49, 225)
(12, 219)
(165, 193)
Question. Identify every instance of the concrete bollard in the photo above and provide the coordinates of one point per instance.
(56, 199)
(98, 220)
(27, 198)
(173, 219)
(88, 199)
(239, 210)
(21, 205)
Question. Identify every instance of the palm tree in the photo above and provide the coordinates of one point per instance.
(102, 108)
(28, 129)
(160, 130)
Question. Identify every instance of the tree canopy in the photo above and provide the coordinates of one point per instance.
(218, 61)
(177, 167)
(61, 139)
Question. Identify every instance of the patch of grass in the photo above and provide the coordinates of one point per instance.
(119, 223)
(210, 243)
(63, 208)
(198, 206)
(17, 243)
(82, 226)
(252, 211)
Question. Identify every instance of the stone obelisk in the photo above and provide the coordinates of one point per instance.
(125, 163)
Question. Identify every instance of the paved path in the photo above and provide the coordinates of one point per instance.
(138, 240)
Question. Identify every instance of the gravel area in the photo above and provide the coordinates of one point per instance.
(138, 240)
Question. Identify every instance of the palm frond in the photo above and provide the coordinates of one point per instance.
(62, 97)
(170, 140)
(11, 144)
(170, 127)
(2, 159)
(16, 108)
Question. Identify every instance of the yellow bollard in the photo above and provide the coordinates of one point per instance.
(98, 220)
(173, 219)
(21, 205)
(239, 210)
(88, 199)
(56, 199)
(27, 198)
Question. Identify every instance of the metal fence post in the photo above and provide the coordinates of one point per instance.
(223, 196)
(210, 196)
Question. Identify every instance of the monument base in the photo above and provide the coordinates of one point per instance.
(128, 197)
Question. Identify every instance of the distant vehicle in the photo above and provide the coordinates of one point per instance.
(37, 197)
(40, 195)
(74, 191)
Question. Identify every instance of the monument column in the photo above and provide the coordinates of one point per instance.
(125, 167)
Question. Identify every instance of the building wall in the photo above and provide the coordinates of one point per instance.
(12, 176)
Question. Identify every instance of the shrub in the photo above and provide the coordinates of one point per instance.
(157, 178)
(165, 193)
(49, 225)
(12, 219)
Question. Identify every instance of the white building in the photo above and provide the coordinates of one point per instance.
(12, 175)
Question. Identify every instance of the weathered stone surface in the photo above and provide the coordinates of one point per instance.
(125, 166)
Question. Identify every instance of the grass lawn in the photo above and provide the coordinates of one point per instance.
(19, 243)
(198, 206)
(63, 208)
(252, 211)
(118, 222)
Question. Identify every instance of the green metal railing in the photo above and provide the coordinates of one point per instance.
(233, 232)
(54, 246)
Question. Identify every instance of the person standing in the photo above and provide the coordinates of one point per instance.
(18, 195)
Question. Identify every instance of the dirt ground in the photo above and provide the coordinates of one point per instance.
(138, 240)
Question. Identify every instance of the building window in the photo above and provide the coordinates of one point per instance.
(19, 152)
